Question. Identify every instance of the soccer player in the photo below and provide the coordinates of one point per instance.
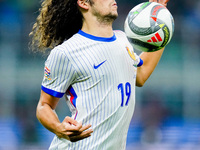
(94, 67)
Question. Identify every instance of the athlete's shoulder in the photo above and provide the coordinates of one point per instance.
(74, 43)
(76, 39)
(58, 50)
(67, 46)
(57, 54)
(119, 33)
(121, 36)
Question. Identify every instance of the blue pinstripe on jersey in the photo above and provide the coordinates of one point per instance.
(93, 92)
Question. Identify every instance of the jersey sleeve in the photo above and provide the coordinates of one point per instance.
(58, 74)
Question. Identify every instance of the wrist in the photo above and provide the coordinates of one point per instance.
(58, 129)
(140, 63)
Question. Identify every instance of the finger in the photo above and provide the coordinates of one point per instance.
(166, 1)
(72, 128)
(153, 1)
(70, 133)
(75, 139)
(70, 120)
(85, 127)
(72, 124)
(81, 130)
(163, 2)
(81, 136)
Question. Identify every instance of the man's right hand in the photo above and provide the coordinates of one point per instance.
(69, 129)
(72, 130)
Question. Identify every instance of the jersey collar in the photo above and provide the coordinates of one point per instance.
(96, 38)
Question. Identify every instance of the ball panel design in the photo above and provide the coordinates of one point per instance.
(149, 26)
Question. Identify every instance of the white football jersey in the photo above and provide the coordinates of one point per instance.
(97, 75)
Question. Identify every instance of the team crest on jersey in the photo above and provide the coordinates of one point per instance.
(47, 73)
(131, 53)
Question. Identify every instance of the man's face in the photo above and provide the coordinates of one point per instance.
(104, 10)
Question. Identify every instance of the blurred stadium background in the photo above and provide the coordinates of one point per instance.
(167, 113)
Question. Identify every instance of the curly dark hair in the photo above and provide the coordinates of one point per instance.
(58, 20)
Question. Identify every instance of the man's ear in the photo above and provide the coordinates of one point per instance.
(83, 4)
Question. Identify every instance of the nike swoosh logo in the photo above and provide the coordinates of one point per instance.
(97, 66)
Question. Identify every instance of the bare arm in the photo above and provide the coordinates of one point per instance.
(69, 129)
(150, 61)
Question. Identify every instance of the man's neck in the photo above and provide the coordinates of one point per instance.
(98, 29)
